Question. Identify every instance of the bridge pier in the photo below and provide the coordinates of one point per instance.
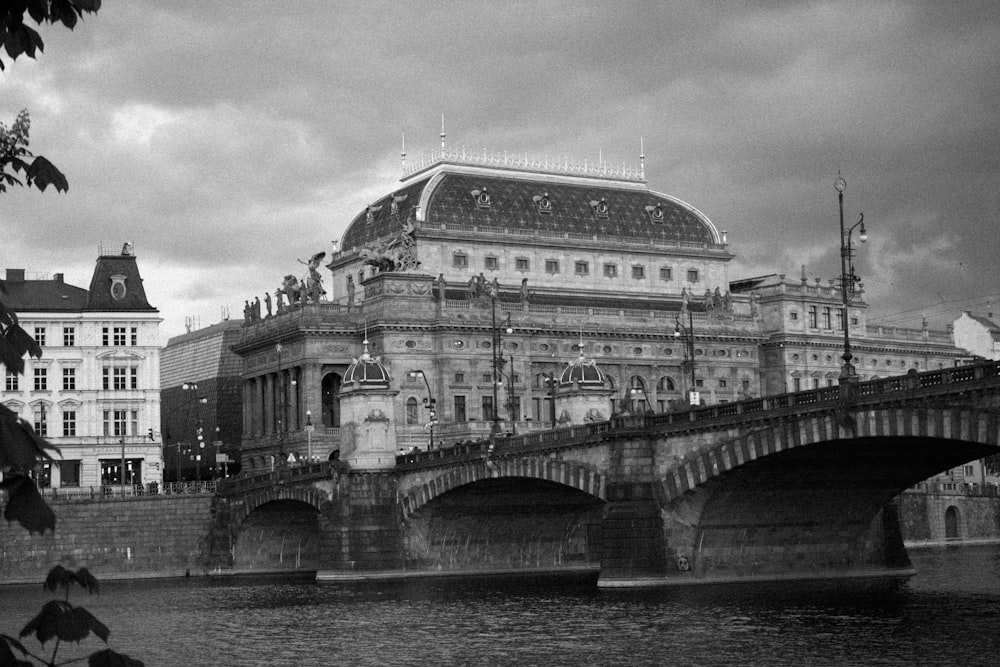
(360, 528)
(632, 537)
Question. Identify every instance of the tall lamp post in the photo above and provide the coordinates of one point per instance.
(688, 333)
(282, 404)
(550, 382)
(309, 435)
(430, 403)
(493, 292)
(848, 280)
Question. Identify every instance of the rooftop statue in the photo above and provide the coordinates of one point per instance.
(398, 253)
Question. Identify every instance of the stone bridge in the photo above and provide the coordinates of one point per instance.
(790, 486)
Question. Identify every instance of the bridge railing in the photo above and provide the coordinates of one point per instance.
(781, 403)
(283, 475)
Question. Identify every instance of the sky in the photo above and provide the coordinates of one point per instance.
(229, 140)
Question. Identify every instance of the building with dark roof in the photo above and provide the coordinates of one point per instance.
(978, 335)
(95, 392)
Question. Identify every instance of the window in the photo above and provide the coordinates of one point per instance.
(11, 383)
(460, 409)
(41, 379)
(666, 273)
(487, 377)
(638, 272)
(812, 317)
(69, 379)
(723, 384)
(797, 384)
(134, 378)
(40, 336)
(665, 384)
(134, 335)
(610, 270)
(411, 410)
(105, 337)
(582, 268)
(692, 275)
(699, 383)
(119, 377)
(460, 260)
(69, 336)
(41, 421)
(854, 321)
(793, 316)
(69, 473)
(459, 378)
(119, 336)
(135, 422)
(522, 264)
(115, 422)
(491, 263)
(69, 423)
(551, 266)
(488, 408)
(827, 321)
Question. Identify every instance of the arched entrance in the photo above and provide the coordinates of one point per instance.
(951, 523)
(331, 399)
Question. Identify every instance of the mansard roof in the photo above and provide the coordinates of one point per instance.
(117, 269)
(528, 201)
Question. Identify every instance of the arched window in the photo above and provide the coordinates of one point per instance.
(666, 384)
(331, 400)
(951, 523)
(411, 411)
(635, 395)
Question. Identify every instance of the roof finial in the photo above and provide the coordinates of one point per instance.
(402, 152)
(804, 274)
(442, 133)
(642, 159)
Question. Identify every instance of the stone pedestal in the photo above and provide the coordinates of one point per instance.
(367, 433)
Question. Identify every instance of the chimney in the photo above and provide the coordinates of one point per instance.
(15, 275)
(58, 277)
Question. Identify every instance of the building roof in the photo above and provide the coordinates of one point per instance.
(583, 371)
(116, 283)
(990, 325)
(367, 372)
(532, 201)
(54, 295)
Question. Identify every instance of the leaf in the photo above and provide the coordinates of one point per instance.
(58, 577)
(21, 446)
(87, 580)
(109, 658)
(43, 173)
(23, 341)
(25, 505)
(44, 625)
(7, 657)
(77, 623)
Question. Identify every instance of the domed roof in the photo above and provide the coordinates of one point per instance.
(529, 203)
(584, 372)
(366, 371)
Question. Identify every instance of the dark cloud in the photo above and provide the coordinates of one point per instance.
(229, 139)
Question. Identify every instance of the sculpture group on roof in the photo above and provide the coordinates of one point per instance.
(398, 253)
(295, 290)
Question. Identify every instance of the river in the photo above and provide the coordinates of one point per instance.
(949, 614)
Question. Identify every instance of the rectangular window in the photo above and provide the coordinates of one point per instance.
(827, 321)
(133, 378)
(666, 273)
(11, 382)
(522, 264)
(815, 383)
(797, 384)
(551, 266)
(459, 378)
(105, 378)
(610, 270)
(460, 261)
(69, 336)
(854, 321)
(514, 408)
(41, 379)
(69, 423)
(692, 275)
(115, 422)
(487, 408)
(119, 377)
(487, 377)
(722, 384)
(119, 336)
(40, 336)
(581, 268)
(69, 379)
(134, 335)
(134, 422)
(69, 473)
(968, 471)
(840, 320)
(491, 263)
(41, 421)
(793, 316)
(105, 336)
(460, 409)
(638, 272)
(813, 317)
(699, 383)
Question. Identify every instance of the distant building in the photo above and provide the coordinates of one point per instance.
(95, 392)
(980, 336)
(802, 322)
(201, 395)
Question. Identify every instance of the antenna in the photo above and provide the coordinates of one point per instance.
(402, 153)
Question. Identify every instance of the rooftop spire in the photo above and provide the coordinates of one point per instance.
(442, 133)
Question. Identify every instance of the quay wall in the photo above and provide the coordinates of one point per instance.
(924, 517)
(167, 535)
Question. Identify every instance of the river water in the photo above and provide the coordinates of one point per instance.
(949, 614)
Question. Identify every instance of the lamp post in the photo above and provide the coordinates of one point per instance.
(281, 404)
(688, 332)
(498, 360)
(848, 280)
(510, 396)
(550, 382)
(430, 403)
(309, 435)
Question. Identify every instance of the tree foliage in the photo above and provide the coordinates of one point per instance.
(17, 38)
(64, 622)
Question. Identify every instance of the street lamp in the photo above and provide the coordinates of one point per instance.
(282, 406)
(688, 333)
(550, 382)
(430, 403)
(309, 435)
(848, 280)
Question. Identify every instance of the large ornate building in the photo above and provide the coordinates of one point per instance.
(95, 391)
(480, 280)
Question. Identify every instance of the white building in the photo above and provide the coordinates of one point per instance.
(980, 336)
(95, 391)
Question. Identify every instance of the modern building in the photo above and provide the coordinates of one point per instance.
(200, 395)
(95, 391)
(978, 335)
(476, 283)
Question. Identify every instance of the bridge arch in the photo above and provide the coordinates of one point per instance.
(309, 495)
(974, 426)
(560, 472)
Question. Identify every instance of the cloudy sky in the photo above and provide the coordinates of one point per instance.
(229, 139)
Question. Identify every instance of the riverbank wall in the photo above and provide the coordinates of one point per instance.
(135, 537)
(929, 517)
